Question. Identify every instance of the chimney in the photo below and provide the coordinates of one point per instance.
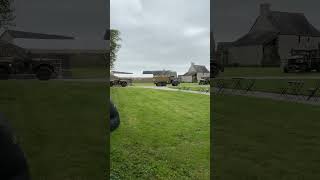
(265, 9)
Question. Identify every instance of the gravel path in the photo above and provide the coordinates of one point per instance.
(273, 77)
(274, 96)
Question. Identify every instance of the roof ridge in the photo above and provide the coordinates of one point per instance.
(300, 13)
(36, 33)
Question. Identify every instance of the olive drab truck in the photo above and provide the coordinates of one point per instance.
(164, 77)
(302, 60)
(119, 81)
(15, 62)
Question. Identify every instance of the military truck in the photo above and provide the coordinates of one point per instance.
(163, 80)
(204, 81)
(42, 68)
(164, 77)
(118, 81)
(302, 60)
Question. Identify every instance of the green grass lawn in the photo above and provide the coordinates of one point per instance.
(264, 139)
(258, 72)
(182, 86)
(163, 135)
(93, 72)
(143, 84)
(61, 126)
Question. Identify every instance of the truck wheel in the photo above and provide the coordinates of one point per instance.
(285, 70)
(175, 83)
(4, 73)
(124, 84)
(44, 73)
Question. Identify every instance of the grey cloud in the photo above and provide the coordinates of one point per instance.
(154, 36)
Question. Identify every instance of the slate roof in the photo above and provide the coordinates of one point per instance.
(292, 24)
(255, 38)
(190, 74)
(198, 69)
(285, 23)
(31, 35)
(68, 46)
(201, 69)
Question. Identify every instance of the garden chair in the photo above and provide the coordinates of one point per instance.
(284, 91)
(221, 85)
(236, 85)
(297, 89)
(312, 92)
(249, 86)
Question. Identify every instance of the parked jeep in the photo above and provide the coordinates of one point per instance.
(43, 69)
(120, 82)
(204, 81)
(302, 61)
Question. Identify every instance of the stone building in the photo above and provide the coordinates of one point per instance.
(270, 39)
(195, 73)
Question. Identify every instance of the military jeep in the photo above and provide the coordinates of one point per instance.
(204, 81)
(43, 69)
(302, 61)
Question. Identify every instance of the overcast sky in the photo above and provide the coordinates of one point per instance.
(79, 18)
(234, 18)
(161, 34)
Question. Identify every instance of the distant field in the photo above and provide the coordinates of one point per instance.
(163, 135)
(61, 126)
(264, 139)
(259, 71)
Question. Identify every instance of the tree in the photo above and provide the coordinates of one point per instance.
(6, 13)
(114, 46)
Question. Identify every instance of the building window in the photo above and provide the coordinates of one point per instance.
(299, 39)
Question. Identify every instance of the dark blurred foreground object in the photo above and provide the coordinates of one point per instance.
(216, 66)
(114, 117)
(13, 164)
